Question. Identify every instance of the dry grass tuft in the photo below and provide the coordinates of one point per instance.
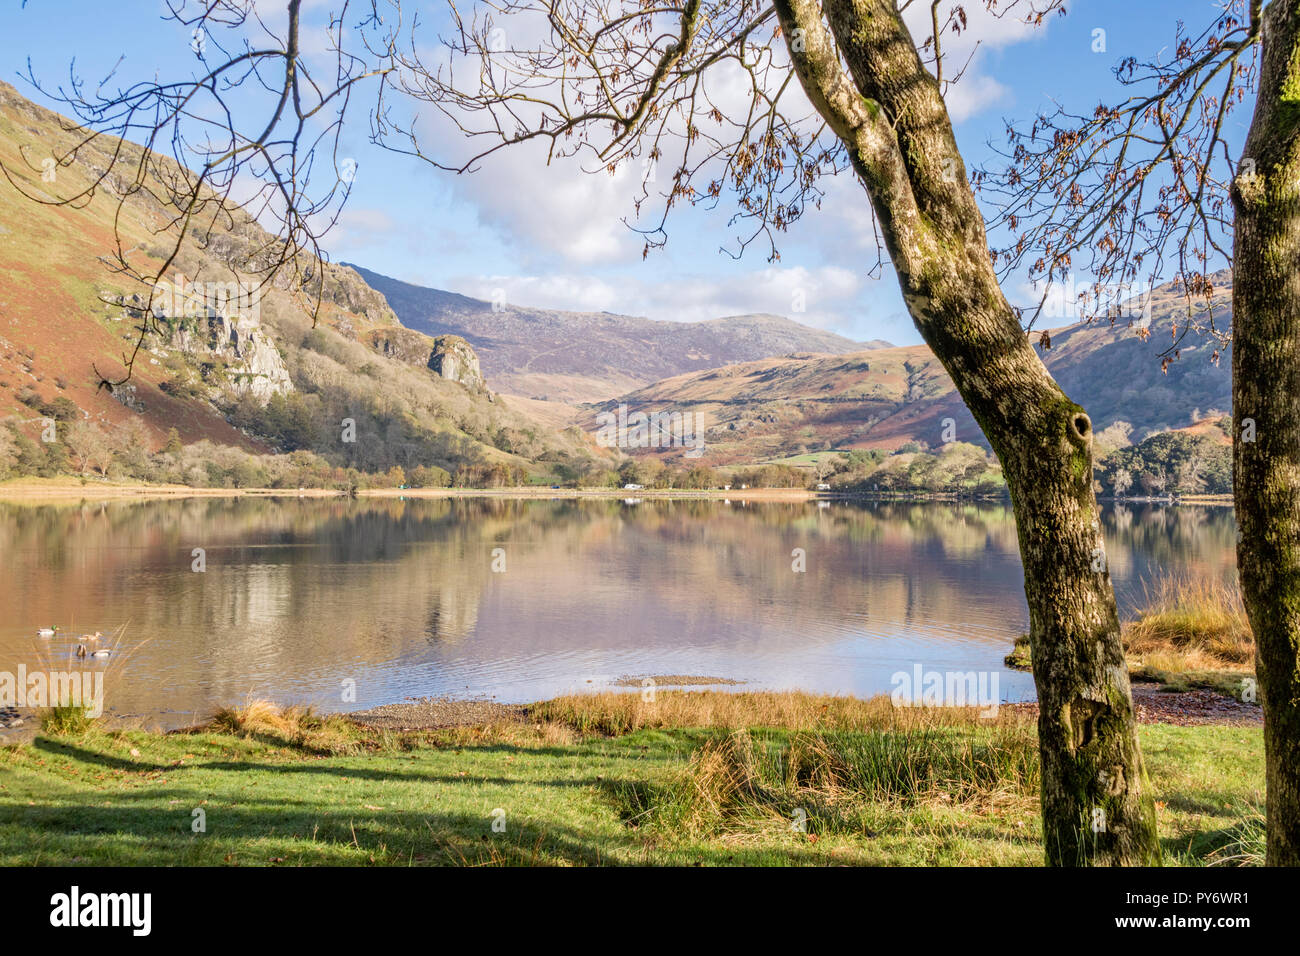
(1246, 845)
(612, 713)
(1192, 625)
(832, 781)
(541, 734)
(720, 780)
(293, 726)
(66, 720)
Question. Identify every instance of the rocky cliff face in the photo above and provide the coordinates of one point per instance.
(252, 363)
(449, 356)
(349, 291)
(244, 246)
(453, 358)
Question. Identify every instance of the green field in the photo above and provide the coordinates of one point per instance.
(579, 784)
(808, 460)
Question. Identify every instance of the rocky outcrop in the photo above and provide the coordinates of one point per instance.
(346, 289)
(251, 362)
(455, 359)
(401, 345)
(243, 248)
(449, 356)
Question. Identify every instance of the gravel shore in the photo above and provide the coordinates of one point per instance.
(676, 680)
(431, 713)
(1184, 708)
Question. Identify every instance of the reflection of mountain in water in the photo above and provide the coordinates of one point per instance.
(301, 595)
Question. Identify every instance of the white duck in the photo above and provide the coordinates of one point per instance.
(47, 631)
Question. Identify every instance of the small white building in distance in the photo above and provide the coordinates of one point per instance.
(631, 487)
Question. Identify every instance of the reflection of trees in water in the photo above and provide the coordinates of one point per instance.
(302, 587)
(1150, 541)
(1147, 543)
(292, 586)
(867, 562)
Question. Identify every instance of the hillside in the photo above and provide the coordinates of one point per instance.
(420, 391)
(592, 356)
(885, 398)
(1192, 460)
(262, 380)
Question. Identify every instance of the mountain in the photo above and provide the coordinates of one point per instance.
(592, 356)
(420, 391)
(265, 376)
(887, 398)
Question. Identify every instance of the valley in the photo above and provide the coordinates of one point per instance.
(390, 384)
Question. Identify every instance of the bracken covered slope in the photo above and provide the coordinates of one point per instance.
(64, 314)
(885, 398)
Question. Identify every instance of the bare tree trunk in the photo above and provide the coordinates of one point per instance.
(1266, 411)
(890, 114)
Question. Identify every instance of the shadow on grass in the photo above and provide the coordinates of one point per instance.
(304, 761)
(278, 833)
(252, 819)
(1201, 847)
(65, 747)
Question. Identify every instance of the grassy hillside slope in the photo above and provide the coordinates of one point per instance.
(63, 314)
(886, 398)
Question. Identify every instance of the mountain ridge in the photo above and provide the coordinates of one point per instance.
(888, 398)
(577, 356)
(427, 394)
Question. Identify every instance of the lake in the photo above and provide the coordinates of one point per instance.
(306, 600)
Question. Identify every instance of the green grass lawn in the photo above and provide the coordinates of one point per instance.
(651, 796)
(807, 460)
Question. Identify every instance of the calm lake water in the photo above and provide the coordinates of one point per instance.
(301, 595)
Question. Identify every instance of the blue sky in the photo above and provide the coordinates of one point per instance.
(553, 237)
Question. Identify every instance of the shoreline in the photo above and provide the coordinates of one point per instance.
(21, 493)
(39, 490)
(1153, 704)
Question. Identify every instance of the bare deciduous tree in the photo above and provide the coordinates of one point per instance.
(631, 82)
(1135, 192)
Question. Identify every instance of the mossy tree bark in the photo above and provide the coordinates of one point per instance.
(889, 112)
(1266, 410)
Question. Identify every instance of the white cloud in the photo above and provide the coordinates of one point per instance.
(983, 28)
(556, 209)
(361, 226)
(973, 94)
(563, 213)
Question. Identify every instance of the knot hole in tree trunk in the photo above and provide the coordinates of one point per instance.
(1080, 429)
(1082, 715)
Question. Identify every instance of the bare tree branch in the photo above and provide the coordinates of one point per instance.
(1136, 193)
